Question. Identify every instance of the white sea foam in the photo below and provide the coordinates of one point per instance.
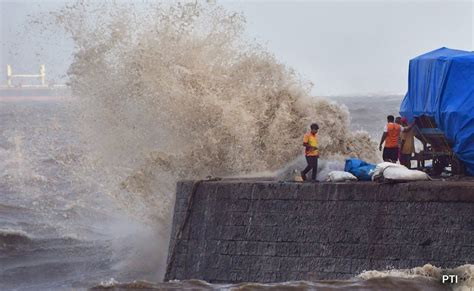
(465, 275)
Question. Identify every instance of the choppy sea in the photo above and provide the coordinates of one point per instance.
(58, 232)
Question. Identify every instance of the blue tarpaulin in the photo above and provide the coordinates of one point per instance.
(359, 168)
(441, 86)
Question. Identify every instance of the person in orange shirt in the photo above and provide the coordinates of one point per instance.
(310, 142)
(391, 137)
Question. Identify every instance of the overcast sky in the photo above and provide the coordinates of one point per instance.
(344, 47)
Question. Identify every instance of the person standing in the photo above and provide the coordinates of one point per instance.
(398, 120)
(407, 146)
(310, 142)
(391, 136)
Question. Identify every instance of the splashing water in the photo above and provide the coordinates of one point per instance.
(169, 92)
(465, 275)
(178, 90)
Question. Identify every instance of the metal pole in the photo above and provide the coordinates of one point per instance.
(42, 74)
(9, 75)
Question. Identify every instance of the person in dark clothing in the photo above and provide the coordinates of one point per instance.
(310, 142)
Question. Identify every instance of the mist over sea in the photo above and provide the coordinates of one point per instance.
(369, 113)
(57, 229)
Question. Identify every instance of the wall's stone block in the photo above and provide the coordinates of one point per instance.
(270, 231)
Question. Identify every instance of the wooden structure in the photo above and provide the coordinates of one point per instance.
(436, 148)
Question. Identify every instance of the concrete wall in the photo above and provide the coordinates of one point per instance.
(271, 232)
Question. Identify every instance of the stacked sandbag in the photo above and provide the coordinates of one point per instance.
(340, 176)
(359, 168)
(390, 172)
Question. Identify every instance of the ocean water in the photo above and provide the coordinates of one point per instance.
(59, 229)
(55, 227)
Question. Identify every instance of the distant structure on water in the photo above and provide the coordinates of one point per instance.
(41, 76)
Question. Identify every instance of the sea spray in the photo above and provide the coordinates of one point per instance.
(464, 275)
(169, 92)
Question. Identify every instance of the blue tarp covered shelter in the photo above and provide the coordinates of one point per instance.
(441, 86)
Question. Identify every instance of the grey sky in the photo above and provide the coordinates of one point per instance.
(343, 47)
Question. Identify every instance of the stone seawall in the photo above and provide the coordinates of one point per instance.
(258, 231)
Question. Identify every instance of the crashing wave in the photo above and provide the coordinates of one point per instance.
(14, 236)
(176, 91)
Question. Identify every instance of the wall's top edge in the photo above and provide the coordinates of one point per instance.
(427, 191)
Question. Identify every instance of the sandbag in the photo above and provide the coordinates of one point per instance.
(341, 176)
(359, 168)
(353, 164)
(404, 174)
(378, 171)
(390, 172)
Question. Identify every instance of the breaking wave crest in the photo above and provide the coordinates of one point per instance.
(11, 236)
(465, 275)
(175, 91)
